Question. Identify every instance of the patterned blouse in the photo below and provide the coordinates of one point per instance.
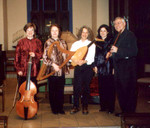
(23, 48)
(56, 57)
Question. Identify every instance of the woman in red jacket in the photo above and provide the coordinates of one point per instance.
(26, 47)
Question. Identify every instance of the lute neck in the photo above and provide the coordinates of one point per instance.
(96, 39)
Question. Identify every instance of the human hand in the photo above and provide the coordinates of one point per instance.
(20, 73)
(95, 69)
(32, 54)
(109, 54)
(56, 67)
(114, 49)
(81, 62)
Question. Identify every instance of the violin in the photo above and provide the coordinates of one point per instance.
(26, 106)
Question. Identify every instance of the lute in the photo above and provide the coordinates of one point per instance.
(81, 52)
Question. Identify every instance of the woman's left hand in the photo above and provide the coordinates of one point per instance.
(95, 69)
(56, 67)
(32, 54)
(109, 54)
(114, 49)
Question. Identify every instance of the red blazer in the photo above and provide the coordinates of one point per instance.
(23, 48)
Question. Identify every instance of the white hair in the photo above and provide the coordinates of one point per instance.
(123, 20)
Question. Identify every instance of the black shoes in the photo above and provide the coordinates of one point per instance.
(54, 112)
(110, 112)
(74, 110)
(61, 112)
(58, 111)
(85, 110)
(102, 110)
(118, 114)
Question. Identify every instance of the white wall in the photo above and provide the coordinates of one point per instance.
(17, 18)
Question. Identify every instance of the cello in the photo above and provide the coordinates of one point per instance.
(26, 106)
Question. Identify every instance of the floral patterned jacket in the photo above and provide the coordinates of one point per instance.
(56, 57)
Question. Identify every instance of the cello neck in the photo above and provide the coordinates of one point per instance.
(29, 74)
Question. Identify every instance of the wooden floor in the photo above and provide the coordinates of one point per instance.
(45, 118)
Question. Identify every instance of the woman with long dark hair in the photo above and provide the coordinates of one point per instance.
(104, 70)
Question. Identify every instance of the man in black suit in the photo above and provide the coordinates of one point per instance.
(124, 58)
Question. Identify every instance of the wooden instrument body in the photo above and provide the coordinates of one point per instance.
(81, 52)
(79, 55)
(41, 74)
(27, 101)
(26, 106)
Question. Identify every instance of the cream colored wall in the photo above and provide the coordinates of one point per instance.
(94, 17)
(81, 14)
(102, 12)
(17, 18)
(1, 24)
(84, 11)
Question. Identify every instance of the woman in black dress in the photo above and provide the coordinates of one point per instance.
(104, 69)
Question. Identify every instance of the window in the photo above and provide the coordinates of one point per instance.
(46, 12)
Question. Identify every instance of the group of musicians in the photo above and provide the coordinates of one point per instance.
(113, 59)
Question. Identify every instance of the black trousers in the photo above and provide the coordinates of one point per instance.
(82, 78)
(22, 79)
(125, 81)
(106, 92)
(56, 93)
